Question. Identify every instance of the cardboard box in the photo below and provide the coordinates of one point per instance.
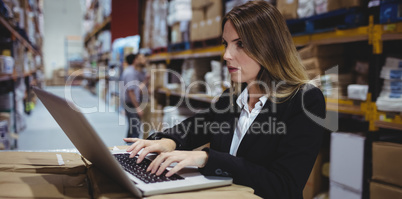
(33, 185)
(213, 28)
(198, 15)
(315, 180)
(197, 4)
(42, 162)
(387, 162)
(321, 51)
(322, 63)
(323, 6)
(347, 160)
(380, 191)
(288, 8)
(215, 9)
(104, 187)
(194, 31)
(313, 73)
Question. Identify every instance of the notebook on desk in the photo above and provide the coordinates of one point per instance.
(116, 164)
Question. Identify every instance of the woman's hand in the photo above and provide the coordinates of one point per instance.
(183, 159)
(149, 146)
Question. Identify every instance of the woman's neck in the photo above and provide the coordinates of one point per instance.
(254, 94)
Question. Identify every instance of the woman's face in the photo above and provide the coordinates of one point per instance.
(241, 67)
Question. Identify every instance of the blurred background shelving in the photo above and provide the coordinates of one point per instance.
(352, 50)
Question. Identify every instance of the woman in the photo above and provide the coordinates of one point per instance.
(259, 132)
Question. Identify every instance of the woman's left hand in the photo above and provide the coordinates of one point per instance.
(183, 159)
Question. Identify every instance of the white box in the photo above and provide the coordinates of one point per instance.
(347, 160)
(338, 191)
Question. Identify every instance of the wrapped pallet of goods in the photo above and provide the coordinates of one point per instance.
(324, 6)
(155, 24)
(288, 8)
(390, 98)
(206, 20)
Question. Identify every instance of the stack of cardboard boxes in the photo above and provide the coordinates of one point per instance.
(387, 175)
(206, 19)
(42, 175)
(294, 9)
(155, 24)
(324, 63)
(179, 18)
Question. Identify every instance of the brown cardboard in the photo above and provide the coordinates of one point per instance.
(314, 182)
(234, 192)
(198, 15)
(41, 162)
(197, 4)
(213, 28)
(104, 187)
(32, 185)
(381, 191)
(339, 4)
(387, 162)
(194, 31)
(288, 8)
(321, 51)
(322, 63)
(214, 9)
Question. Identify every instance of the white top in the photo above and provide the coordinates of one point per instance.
(246, 118)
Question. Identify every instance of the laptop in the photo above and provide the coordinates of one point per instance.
(115, 163)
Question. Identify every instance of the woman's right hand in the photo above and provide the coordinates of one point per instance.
(149, 146)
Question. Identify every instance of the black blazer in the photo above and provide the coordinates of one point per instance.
(274, 160)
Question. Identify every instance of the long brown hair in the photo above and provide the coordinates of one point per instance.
(267, 40)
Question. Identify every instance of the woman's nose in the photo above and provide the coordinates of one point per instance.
(227, 55)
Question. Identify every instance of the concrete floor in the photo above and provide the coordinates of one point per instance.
(43, 133)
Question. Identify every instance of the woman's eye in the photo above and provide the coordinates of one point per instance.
(240, 44)
(225, 44)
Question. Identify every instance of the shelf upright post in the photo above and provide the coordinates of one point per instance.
(375, 40)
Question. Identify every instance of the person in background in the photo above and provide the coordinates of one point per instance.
(135, 80)
(266, 131)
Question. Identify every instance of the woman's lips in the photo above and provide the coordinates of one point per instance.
(232, 69)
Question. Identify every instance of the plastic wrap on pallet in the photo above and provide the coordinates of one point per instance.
(106, 7)
(159, 30)
(390, 98)
(213, 79)
(306, 8)
(323, 6)
(357, 92)
(6, 64)
(179, 10)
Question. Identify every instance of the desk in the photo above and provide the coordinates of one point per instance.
(67, 175)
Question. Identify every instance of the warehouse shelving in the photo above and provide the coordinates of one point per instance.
(18, 36)
(374, 34)
(98, 29)
(192, 53)
(16, 40)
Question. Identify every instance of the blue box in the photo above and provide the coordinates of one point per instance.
(390, 11)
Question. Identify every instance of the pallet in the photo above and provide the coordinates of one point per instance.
(337, 19)
(390, 11)
(159, 50)
(206, 43)
(179, 47)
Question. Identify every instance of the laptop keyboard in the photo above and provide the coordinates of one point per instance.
(139, 170)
